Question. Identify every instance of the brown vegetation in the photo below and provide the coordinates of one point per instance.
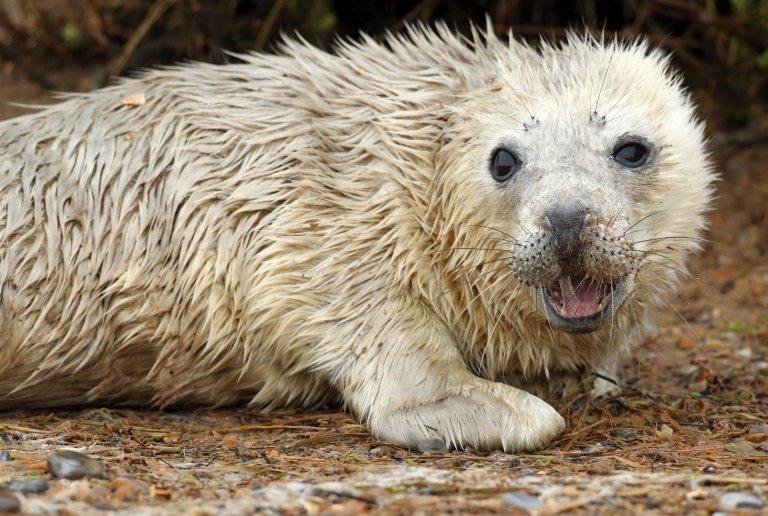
(689, 427)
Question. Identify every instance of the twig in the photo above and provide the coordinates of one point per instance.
(575, 504)
(153, 15)
(739, 139)
(268, 23)
(248, 428)
(422, 11)
(574, 435)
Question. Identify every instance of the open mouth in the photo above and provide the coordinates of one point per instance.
(579, 304)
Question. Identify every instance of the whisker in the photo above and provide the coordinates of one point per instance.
(658, 308)
(549, 323)
(684, 273)
(501, 314)
(467, 249)
(602, 83)
(685, 321)
(454, 270)
(503, 113)
(617, 117)
(617, 103)
(671, 237)
(480, 293)
(647, 217)
(662, 255)
(498, 74)
(495, 229)
(470, 267)
(613, 312)
(489, 272)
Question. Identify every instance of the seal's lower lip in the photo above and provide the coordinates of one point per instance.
(571, 306)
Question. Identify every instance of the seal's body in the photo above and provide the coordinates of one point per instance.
(401, 226)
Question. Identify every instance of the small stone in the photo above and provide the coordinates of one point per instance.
(73, 465)
(506, 459)
(29, 485)
(666, 431)
(594, 448)
(709, 469)
(385, 451)
(521, 501)
(758, 429)
(624, 433)
(436, 444)
(740, 446)
(9, 503)
(337, 489)
(5, 456)
(700, 386)
(736, 500)
(689, 370)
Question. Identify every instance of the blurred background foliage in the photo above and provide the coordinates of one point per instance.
(720, 45)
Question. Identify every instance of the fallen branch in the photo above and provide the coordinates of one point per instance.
(153, 15)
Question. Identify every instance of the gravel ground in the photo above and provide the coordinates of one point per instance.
(688, 435)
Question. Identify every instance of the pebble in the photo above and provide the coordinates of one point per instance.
(689, 370)
(521, 501)
(758, 429)
(73, 465)
(9, 503)
(740, 446)
(666, 430)
(624, 433)
(506, 459)
(736, 500)
(30, 485)
(5, 455)
(386, 451)
(593, 448)
(436, 444)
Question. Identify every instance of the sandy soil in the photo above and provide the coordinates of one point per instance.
(688, 429)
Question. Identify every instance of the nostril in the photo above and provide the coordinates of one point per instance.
(567, 225)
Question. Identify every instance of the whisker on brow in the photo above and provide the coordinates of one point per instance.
(602, 84)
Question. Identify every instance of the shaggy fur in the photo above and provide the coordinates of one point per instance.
(302, 227)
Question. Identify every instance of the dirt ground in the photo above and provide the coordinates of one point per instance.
(688, 434)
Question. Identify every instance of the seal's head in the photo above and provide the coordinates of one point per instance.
(588, 169)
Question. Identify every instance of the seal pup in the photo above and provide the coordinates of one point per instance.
(409, 227)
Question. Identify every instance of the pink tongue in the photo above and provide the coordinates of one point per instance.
(581, 299)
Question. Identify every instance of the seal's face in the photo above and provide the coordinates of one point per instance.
(594, 178)
(574, 194)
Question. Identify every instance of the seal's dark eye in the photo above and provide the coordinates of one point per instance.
(504, 164)
(631, 155)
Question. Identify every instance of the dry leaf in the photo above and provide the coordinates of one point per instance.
(134, 99)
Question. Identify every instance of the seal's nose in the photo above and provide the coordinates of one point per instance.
(567, 225)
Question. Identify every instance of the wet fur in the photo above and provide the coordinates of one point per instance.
(297, 228)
